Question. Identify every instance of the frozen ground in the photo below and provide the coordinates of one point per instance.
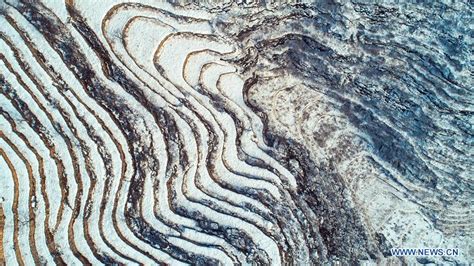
(221, 132)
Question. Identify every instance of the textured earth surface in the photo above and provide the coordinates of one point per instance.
(234, 132)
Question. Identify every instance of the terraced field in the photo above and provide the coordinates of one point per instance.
(214, 133)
